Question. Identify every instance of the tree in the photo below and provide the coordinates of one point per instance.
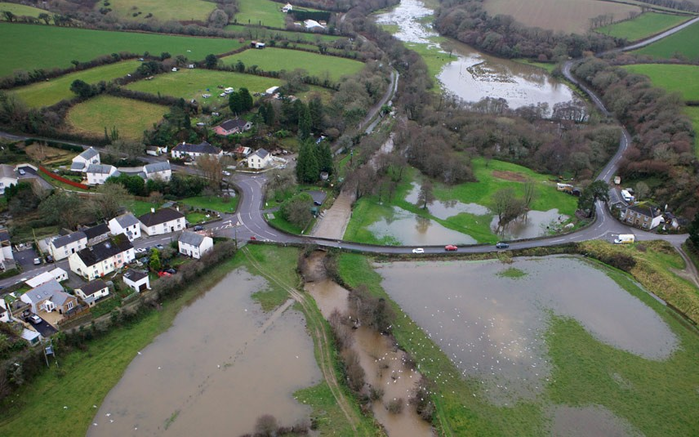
(218, 19)
(507, 206)
(307, 170)
(304, 123)
(315, 107)
(130, 149)
(63, 208)
(529, 193)
(107, 201)
(133, 184)
(598, 190)
(693, 230)
(280, 185)
(240, 67)
(642, 190)
(9, 16)
(268, 113)
(154, 263)
(324, 157)
(211, 61)
(235, 102)
(245, 99)
(45, 17)
(211, 169)
(425, 196)
(266, 425)
(297, 210)
(82, 89)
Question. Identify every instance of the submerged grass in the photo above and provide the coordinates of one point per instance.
(513, 273)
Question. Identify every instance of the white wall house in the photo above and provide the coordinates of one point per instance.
(194, 245)
(158, 171)
(63, 247)
(193, 151)
(7, 177)
(260, 159)
(93, 291)
(57, 274)
(163, 221)
(102, 258)
(82, 162)
(137, 280)
(97, 174)
(126, 224)
(6, 256)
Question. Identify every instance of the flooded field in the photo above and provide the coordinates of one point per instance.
(492, 324)
(205, 369)
(405, 228)
(589, 421)
(407, 17)
(536, 224)
(445, 209)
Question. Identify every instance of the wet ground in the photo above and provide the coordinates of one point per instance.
(535, 224)
(222, 364)
(588, 421)
(492, 326)
(409, 229)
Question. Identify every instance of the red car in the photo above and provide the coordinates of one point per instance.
(450, 248)
(164, 273)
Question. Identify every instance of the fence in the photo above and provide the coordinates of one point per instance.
(53, 175)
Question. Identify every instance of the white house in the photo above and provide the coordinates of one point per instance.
(137, 280)
(6, 256)
(97, 174)
(102, 258)
(194, 245)
(645, 217)
(57, 274)
(126, 224)
(260, 159)
(287, 8)
(313, 24)
(5, 315)
(7, 177)
(158, 171)
(93, 291)
(163, 221)
(49, 297)
(96, 233)
(83, 161)
(155, 150)
(193, 151)
(63, 247)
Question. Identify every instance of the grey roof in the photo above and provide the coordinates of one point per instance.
(96, 231)
(67, 239)
(232, 124)
(93, 287)
(126, 220)
(163, 215)
(100, 168)
(135, 275)
(44, 291)
(77, 166)
(156, 167)
(191, 238)
(4, 235)
(643, 210)
(197, 148)
(7, 171)
(60, 297)
(104, 250)
(89, 154)
(262, 153)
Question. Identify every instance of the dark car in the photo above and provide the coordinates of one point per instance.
(49, 259)
(502, 245)
(171, 271)
(199, 228)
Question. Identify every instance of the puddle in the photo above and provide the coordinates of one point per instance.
(406, 228)
(443, 209)
(221, 365)
(589, 421)
(492, 327)
(537, 224)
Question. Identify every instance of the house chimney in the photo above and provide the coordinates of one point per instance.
(152, 210)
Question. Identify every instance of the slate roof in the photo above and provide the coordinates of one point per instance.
(232, 124)
(163, 215)
(135, 275)
(89, 154)
(96, 231)
(643, 210)
(101, 169)
(44, 291)
(4, 235)
(197, 148)
(93, 287)
(261, 153)
(191, 238)
(67, 239)
(7, 171)
(104, 250)
(126, 220)
(156, 167)
(77, 166)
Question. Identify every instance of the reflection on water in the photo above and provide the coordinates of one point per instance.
(443, 209)
(406, 228)
(221, 365)
(492, 327)
(589, 421)
(536, 224)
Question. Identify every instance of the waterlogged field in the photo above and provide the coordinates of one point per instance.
(28, 47)
(130, 117)
(260, 12)
(161, 10)
(565, 16)
(273, 59)
(683, 43)
(53, 91)
(674, 78)
(643, 26)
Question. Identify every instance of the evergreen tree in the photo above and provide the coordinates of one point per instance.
(269, 115)
(307, 170)
(315, 106)
(246, 99)
(235, 102)
(324, 157)
(694, 232)
(211, 61)
(304, 123)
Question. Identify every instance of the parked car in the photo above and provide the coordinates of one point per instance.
(450, 248)
(171, 271)
(253, 238)
(140, 250)
(49, 259)
(164, 273)
(226, 173)
(35, 319)
(502, 245)
(198, 228)
(22, 172)
(418, 250)
(37, 261)
(159, 246)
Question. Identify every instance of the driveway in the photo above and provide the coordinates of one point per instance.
(25, 258)
(44, 328)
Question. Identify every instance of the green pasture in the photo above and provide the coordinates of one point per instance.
(674, 78)
(274, 59)
(643, 26)
(683, 43)
(21, 10)
(214, 203)
(130, 117)
(28, 47)
(190, 84)
(162, 10)
(693, 113)
(264, 34)
(53, 91)
(260, 12)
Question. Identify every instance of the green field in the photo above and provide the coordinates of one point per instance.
(643, 26)
(21, 10)
(191, 84)
(693, 113)
(162, 10)
(272, 59)
(130, 117)
(674, 78)
(260, 12)
(220, 204)
(683, 42)
(28, 47)
(264, 34)
(53, 91)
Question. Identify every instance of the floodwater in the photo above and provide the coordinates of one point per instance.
(536, 224)
(492, 327)
(443, 209)
(405, 228)
(222, 364)
(589, 421)
(473, 75)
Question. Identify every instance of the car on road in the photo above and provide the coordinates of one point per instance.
(37, 261)
(450, 248)
(418, 250)
(35, 319)
(502, 245)
(198, 228)
(253, 238)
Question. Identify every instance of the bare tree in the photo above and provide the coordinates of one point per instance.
(642, 190)
(426, 194)
(507, 206)
(108, 200)
(529, 193)
(266, 425)
(211, 169)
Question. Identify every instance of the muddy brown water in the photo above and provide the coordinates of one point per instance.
(492, 327)
(222, 364)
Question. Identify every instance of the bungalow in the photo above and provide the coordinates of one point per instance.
(102, 258)
(83, 161)
(96, 234)
(126, 224)
(137, 280)
(57, 274)
(230, 127)
(160, 171)
(93, 291)
(97, 174)
(49, 297)
(193, 151)
(63, 247)
(646, 217)
(6, 256)
(194, 245)
(260, 159)
(7, 177)
(163, 221)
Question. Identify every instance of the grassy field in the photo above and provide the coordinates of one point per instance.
(273, 59)
(162, 10)
(566, 15)
(220, 204)
(260, 12)
(30, 47)
(130, 117)
(683, 42)
(643, 26)
(693, 112)
(674, 78)
(656, 397)
(53, 91)
(261, 33)
(191, 84)
(21, 10)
